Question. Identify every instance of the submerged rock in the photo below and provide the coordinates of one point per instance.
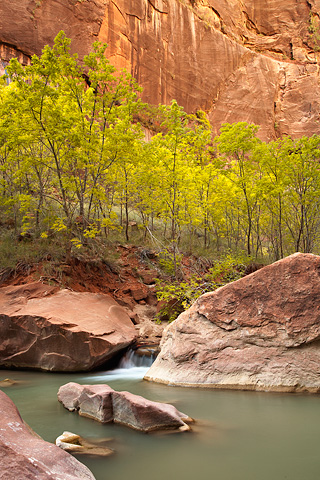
(24, 455)
(7, 382)
(104, 404)
(73, 443)
(261, 332)
(60, 330)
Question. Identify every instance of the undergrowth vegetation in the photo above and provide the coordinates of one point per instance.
(179, 295)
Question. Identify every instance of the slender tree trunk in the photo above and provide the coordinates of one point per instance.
(126, 206)
(301, 227)
(127, 216)
(280, 226)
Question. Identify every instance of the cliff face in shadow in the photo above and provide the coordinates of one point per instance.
(240, 60)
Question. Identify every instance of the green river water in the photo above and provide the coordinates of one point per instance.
(238, 435)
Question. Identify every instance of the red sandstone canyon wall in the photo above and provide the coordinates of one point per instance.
(240, 60)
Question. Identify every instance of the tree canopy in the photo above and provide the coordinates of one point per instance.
(75, 160)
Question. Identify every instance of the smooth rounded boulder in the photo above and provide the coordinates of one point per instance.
(25, 456)
(258, 333)
(44, 328)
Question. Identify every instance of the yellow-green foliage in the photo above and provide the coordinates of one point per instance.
(178, 296)
(74, 161)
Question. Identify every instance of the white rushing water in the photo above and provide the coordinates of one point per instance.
(130, 373)
(131, 367)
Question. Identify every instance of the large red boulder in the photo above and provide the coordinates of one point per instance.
(259, 333)
(25, 456)
(46, 329)
(104, 404)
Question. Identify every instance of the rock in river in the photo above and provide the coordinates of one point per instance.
(104, 404)
(73, 443)
(59, 330)
(25, 456)
(261, 332)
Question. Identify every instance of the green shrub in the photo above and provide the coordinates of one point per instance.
(178, 296)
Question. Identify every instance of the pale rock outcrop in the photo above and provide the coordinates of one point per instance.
(105, 405)
(73, 443)
(25, 456)
(261, 332)
(59, 330)
(240, 60)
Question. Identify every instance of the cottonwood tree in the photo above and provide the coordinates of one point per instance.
(303, 192)
(236, 144)
(72, 113)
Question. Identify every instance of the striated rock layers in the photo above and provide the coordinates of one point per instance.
(105, 405)
(240, 60)
(47, 329)
(25, 456)
(261, 332)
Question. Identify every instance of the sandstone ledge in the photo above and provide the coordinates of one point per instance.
(236, 386)
(58, 330)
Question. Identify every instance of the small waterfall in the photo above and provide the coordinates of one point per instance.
(133, 366)
(137, 358)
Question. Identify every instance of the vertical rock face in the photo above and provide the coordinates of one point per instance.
(247, 60)
(259, 333)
